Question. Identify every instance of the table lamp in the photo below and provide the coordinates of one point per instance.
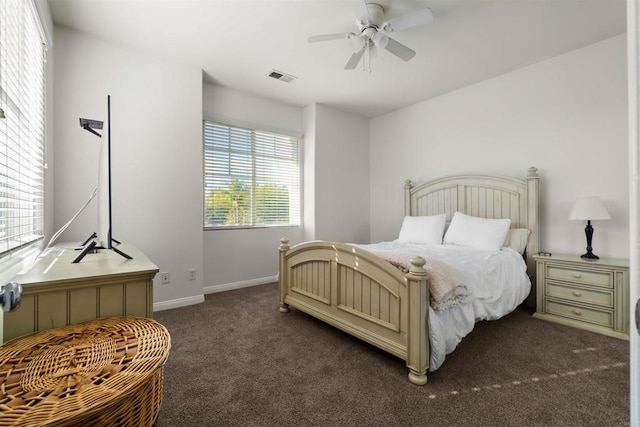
(589, 209)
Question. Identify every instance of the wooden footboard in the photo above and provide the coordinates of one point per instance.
(362, 294)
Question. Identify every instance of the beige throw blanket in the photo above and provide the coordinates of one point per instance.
(446, 288)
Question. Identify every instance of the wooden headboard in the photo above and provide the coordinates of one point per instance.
(483, 196)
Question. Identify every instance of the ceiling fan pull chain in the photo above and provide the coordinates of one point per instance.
(364, 57)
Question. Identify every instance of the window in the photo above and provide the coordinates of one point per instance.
(22, 149)
(251, 178)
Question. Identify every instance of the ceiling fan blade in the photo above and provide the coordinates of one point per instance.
(361, 11)
(327, 37)
(409, 20)
(355, 58)
(398, 49)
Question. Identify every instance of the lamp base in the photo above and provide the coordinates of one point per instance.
(589, 255)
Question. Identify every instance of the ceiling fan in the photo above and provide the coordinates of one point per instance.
(373, 30)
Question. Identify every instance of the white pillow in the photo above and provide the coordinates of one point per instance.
(423, 229)
(479, 233)
(517, 239)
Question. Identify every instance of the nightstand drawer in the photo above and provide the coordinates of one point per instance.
(595, 278)
(590, 296)
(604, 318)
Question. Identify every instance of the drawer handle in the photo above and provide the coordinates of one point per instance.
(577, 312)
(577, 275)
(577, 293)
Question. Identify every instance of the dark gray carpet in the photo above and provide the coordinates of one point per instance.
(235, 360)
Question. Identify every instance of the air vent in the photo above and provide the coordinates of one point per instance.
(279, 75)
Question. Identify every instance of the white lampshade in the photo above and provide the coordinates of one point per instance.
(589, 209)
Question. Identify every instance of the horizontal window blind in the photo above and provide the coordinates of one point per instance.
(251, 177)
(22, 148)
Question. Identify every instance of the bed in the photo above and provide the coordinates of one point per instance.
(356, 289)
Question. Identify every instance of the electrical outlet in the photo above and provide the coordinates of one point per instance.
(192, 274)
(165, 278)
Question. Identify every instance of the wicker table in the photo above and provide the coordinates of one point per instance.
(103, 372)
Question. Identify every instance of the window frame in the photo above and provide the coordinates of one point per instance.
(252, 128)
(33, 39)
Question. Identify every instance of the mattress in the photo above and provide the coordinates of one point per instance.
(497, 283)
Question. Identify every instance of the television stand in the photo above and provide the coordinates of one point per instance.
(93, 247)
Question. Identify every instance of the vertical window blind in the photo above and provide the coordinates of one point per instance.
(22, 142)
(251, 177)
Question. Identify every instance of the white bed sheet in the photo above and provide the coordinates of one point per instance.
(497, 282)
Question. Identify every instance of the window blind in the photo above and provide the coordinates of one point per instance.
(22, 142)
(251, 177)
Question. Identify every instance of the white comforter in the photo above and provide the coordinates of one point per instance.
(497, 282)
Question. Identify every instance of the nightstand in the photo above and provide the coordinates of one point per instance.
(586, 294)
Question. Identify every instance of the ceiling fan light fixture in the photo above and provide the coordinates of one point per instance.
(380, 40)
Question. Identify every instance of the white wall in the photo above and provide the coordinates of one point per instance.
(309, 171)
(567, 116)
(341, 164)
(156, 116)
(234, 258)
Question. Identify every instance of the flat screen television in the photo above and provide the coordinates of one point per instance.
(102, 237)
(103, 232)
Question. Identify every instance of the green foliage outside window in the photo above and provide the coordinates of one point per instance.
(232, 206)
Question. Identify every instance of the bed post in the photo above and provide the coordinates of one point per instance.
(282, 275)
(418, 321)
(407, 196)
(533, 220)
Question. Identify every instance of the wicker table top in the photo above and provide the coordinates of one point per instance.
(99, 372)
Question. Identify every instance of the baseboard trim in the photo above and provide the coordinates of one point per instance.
(238, 285)
(183, 302)
(177, 303)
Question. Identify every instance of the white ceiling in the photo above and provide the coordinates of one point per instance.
(237, 43)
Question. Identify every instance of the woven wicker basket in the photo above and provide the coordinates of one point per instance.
(103, 372)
